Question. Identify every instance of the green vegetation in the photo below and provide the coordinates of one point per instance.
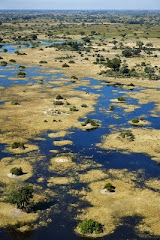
(21, 74)
(16, 171)
(12, 61)
(90, 226)
(135, 120)
(3, 63)
(84, 105)
(59, 97)
(21, 68)
(109, 187)
(73, 109)
(127, 135)
(89, 121)
(20, 194)
(65, 65)
(121, 99)
(16, 145)
(42, 62)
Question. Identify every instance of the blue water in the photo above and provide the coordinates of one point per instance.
(84, 146)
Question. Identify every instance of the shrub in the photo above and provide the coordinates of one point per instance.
(121, 99)
(109, 187)
(22, 67)
(16, 145)
(73, 109)
(89, 121)
(58, 103)
(3, 63)
(21, 74)
(12, 61)
(111, 108)
(71, 61)
(135, 120)
(127, 135)
(42, 62)
(74, 77)
(15, 103)
(16, 171)
(59, 97)
(65, 65)
(84, 105)
(90, 226)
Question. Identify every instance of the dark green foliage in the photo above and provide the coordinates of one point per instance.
(89, 121)
(21, 74)
(149, 71)
(114, 64)
(127, 135)
(58, 103)
(84, 105)
(71, 61)
(65, 65)
(20, 195)
(90, 226)
(59, 97)
(17, 171)
(109, 187)
(111, 108)
(22, 67)
(42, 62)
(135, 120)
(12, 61)
(16, 145)
(121, 99)
(73, 109)
(3, 63)
(74, 77)
(15, 103)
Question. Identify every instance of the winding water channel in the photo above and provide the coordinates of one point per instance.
(84, 144)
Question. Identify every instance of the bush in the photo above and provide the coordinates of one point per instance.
(73, 109)
(12, 61)
(121, 99)
(22, 67)
(89, 121)
(109, 187)
(58, 103)
(84, 105)
(16, 145)
(15, 103)
(3, 63)
(21, 74)
(42, 62)
(74, 77)
(111, 108)
(16, 171)
(65, 65)
(71, 61)
(135, 120)
(90, 226)
(59, 97)
(127, 135)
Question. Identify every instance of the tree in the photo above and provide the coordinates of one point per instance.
(114, 64)
(127, 53)
(20, 195)
(149, 71)
(139, 44)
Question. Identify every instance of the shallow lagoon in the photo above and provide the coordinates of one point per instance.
(84, 146)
